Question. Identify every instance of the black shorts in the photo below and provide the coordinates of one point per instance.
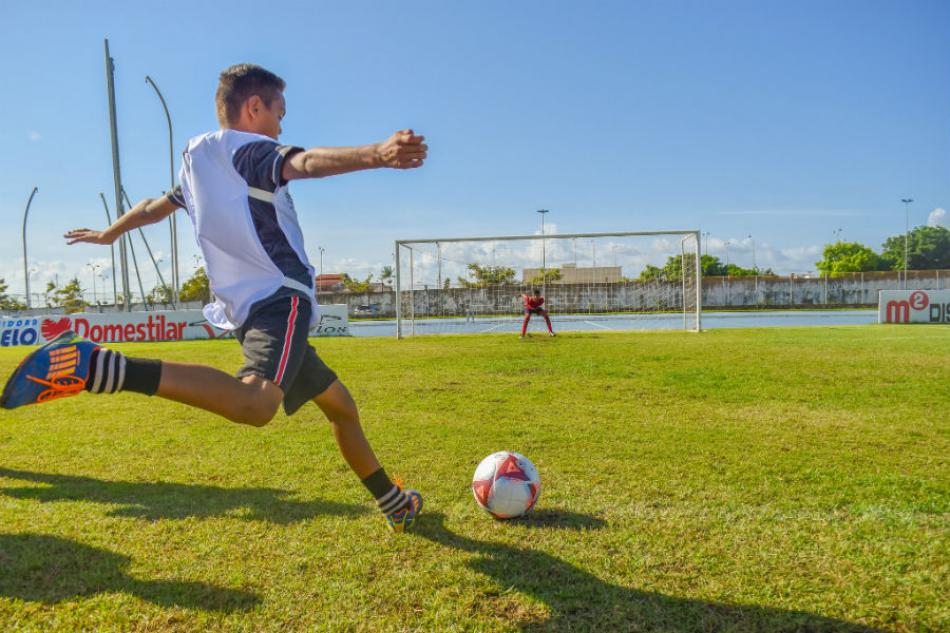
(534, 311)
(275, 345)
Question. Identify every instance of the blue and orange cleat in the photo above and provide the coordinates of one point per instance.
(403, 520)
(59, 369)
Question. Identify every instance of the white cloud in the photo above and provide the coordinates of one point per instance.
(33, 135)
(938, 217)
(738, 250)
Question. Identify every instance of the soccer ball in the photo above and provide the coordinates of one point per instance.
(506, 484)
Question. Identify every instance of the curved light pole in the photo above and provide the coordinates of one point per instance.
(173, 225)
(26, 272)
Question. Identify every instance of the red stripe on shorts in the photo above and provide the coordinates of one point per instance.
(288, 339)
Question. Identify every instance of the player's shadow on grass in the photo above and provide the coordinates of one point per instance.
(579, 601)
(164, 500)
(49, 569)
(558, 519)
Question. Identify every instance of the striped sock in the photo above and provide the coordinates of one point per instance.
(111, 371)
(389, 497)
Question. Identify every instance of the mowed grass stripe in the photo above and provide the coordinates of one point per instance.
(733, 480)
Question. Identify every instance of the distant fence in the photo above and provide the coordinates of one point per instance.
(846, 290)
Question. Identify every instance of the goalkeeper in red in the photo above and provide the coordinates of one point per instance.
(234, 188)
(533, 304)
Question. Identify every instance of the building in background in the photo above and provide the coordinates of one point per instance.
(572, 274)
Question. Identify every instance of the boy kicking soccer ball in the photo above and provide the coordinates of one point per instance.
(234, 188)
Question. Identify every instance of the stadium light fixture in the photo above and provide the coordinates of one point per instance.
(26, 272)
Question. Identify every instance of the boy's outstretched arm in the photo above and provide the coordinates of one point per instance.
(402, 150)
(148, 211)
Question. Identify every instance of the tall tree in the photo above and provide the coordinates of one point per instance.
(356, 285)
(70, 296)
(488, 276)
(6, 301)
(928, 248)
(848, 257)
(50, 294)
(712, 267)
(159, 294)
(387, 276)
(196, 288)
(550, 275)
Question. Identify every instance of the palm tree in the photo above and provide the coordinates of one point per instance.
(387, 276)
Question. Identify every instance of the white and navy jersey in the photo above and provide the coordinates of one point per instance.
(244, 221)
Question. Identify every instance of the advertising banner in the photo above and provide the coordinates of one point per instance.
(914, 306)
(125, 327)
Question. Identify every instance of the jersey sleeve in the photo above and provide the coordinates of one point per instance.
(175, 196)
(260, 163)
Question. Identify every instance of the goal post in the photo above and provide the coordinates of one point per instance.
(590, 281)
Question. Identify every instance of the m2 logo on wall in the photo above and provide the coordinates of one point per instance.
(914, 306)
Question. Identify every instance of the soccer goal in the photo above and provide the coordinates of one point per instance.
(589, 281)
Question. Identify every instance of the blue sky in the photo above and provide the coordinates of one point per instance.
(784, 121)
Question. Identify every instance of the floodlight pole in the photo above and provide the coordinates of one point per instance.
(172, 223)
(105, 205)
(544, 277)
(906, 202)
(117, 174)
(322, 250)
(94, 268)
(26, 272)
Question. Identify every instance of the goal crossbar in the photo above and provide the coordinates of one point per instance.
(551, 236)
(684, 234)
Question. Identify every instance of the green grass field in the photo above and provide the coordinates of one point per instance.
(735, 480)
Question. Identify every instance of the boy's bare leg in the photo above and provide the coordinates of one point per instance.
(337, 404)
(399, 506)
(251, 400)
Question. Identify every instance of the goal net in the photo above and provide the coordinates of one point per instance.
(592, 281)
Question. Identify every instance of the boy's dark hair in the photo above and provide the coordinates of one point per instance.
(239, 83)
(537, 292)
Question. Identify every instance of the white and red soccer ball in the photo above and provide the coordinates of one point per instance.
(506, 484)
